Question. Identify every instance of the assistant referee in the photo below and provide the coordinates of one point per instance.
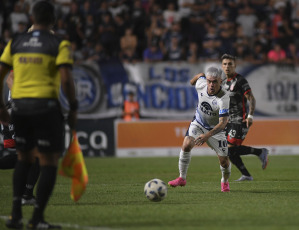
(41, 63)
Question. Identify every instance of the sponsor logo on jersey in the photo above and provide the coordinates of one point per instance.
(33, 42)
(206, 108)
(223, 111)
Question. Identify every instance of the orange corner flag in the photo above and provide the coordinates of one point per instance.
(73, 166)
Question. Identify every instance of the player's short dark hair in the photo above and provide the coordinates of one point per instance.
(43, 13)
(228, 56)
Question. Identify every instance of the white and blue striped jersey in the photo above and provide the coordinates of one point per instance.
(210, 107)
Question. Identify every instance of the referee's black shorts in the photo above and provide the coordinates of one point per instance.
(38, 123)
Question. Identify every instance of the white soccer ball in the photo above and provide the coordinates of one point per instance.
(155, 190)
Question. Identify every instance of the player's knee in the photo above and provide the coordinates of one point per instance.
(224, 162)
(232, 151)
(232, 154)
(188, 144)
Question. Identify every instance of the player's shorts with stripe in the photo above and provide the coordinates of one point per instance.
(236, 133)
(217, 142)
(38, 122)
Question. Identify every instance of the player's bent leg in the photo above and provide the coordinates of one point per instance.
(264, 158)
(184, 161)
(237, 161)
(225, 167)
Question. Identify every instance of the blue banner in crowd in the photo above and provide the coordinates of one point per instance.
(164, 92)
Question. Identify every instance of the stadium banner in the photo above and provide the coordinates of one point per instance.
(149, 138)
(164, 92)
(276, 89)
(95, 136)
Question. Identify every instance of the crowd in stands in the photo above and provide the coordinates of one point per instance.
(256, 31)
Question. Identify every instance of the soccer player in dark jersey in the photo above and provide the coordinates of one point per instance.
(41, 63)
(240, 119)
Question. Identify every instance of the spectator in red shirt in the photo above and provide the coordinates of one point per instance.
(277, 54)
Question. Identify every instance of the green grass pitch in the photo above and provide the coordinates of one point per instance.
(114, 197)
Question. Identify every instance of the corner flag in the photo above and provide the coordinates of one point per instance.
(73, 166)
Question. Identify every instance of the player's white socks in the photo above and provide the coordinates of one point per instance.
(225, 173)
(184, 161)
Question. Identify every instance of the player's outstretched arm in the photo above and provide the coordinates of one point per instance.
(252, 102)
(195, 78)
(218, 128)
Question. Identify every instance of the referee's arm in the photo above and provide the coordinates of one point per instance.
(68, 87)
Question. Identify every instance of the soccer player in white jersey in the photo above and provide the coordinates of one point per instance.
(208, 125)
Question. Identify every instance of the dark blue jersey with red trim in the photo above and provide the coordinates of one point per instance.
(237, 87)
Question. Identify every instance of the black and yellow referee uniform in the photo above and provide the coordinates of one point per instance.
(35, 58)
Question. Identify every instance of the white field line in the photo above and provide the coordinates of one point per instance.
(74, 226)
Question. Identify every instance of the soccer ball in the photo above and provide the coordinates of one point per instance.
(155, 190)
